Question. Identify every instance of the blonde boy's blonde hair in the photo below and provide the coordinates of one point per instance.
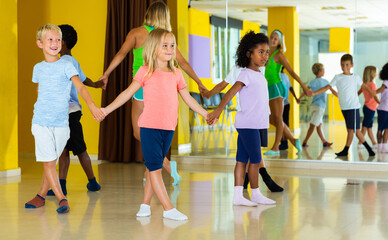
(45, 28)
(151, 48)
(158, 16)
(317, 67)
(369, 74)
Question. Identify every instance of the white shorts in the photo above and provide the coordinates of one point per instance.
(49, 142)
(316, 115)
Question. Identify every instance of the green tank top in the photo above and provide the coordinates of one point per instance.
(272, 70)
(138, 55)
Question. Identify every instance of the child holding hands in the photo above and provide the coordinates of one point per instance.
(161, 83)
(252, 120)
(382, 112)
(318, 105)
(348, 85)
(50, 125)
(370, 104)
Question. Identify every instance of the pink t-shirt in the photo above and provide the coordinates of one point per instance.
(160, 92)
(369, 100)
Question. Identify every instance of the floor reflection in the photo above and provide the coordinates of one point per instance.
(311, 207)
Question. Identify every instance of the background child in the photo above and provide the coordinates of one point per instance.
(76, 142)
(286, 106)
(382, 112)
(370, 104)
(347, 85)
(318, 105)
(252, 120)
(50, 125)
(161, 82)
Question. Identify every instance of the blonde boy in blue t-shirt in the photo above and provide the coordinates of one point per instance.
(50, 125)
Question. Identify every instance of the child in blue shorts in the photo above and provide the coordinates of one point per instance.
(382, 112)
(252, 121)
(50, 125)
(348, 85)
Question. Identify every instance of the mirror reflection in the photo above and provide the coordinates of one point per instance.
(314, 32)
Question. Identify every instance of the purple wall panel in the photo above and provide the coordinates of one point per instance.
(199, 55)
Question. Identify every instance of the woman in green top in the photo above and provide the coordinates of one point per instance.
(277, 90)
(157, 16)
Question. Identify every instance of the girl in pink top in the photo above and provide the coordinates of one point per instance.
(161, 83)
(370, 105)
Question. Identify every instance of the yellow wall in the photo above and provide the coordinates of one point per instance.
(9, 86)
(89, 51)
(249, 26)
(199, 24)
(286, 20)
(179, 16)
(340, 41)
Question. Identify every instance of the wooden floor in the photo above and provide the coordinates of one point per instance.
(315, 205)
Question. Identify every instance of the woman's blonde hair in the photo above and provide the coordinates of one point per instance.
(45, 28)
(317, 67)
(151, 49)
(158, 16)
(370, 72)
(282, 41)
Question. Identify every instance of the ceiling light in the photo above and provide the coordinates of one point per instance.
(333, 8)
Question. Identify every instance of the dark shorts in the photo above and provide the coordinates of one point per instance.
(286, 114)
(352, 118)
(249, 143)
(382, 120)
(76, 142)
(155, 144)
(369, 116)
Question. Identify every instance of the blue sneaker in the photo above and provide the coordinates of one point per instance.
(298, 146)
(174, 173)
(271, 153)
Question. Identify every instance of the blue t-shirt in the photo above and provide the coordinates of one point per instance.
(52, 106)
(320, 99)
(73, 92)
(286, 82)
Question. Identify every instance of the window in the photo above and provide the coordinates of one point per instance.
(224, 45)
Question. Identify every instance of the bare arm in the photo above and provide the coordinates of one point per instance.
(127, 46)
(122, 97)
(293, 93)
(192, 103)
(333, 91)
(381, 89)
(96, 112)
(359, 92)
(225, 100)
(283, 61)
(217, 89)
(371, 92)
(322, 90)
(88, 82)
(189, 70)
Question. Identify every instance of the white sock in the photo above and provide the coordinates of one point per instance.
(384, 148)
(257, 197)
(144, 211)
(239, 199)
(379, 146)
(174, 214)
